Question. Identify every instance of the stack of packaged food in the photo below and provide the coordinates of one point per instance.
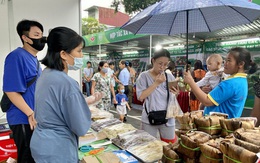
(189, 147)
(100, 124)
(186, 121)
(132, 138)
(97, 114)
(214, 139)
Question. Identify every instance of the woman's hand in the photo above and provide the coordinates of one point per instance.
(188, 78)
(160, 78)
(94, 98)
(114, 101)
(174, 90)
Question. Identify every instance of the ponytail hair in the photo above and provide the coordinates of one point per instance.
(101, 64)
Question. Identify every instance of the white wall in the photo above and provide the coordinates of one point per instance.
(50, 13)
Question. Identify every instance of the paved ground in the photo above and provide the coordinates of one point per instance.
(133, 117)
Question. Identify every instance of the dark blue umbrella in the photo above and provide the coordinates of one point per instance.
(170, 17)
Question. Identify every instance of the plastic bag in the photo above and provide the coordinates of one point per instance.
(173, 108)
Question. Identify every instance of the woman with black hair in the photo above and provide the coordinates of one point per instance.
(152, 88)
(101, 82)
(60, 107)
(229, 96)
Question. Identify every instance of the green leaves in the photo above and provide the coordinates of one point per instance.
(91, 25)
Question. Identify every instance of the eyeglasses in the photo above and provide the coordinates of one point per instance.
(161, 64)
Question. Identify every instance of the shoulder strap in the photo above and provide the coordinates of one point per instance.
(167, 88)
(34, 79)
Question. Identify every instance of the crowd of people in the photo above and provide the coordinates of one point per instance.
(47, 118)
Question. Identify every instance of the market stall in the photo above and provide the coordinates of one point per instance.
(111, 141)
(214, 139)
(202, 139)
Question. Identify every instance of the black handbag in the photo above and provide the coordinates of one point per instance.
(158, 117)
(6, 102)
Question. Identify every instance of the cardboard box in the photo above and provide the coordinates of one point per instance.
(106, 157)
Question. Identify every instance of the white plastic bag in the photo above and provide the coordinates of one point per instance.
(173, 108)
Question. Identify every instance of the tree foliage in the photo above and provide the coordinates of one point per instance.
(91, 25)
(132, 6)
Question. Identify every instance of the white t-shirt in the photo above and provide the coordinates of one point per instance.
(110, 74)
(88, 71)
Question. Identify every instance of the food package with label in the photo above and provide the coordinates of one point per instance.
(149, 152)
(132, 138)
(102, 123)
(97, 114)
(112, 131)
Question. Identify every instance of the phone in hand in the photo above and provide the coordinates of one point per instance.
(172, 84)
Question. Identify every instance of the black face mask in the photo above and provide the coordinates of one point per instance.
(38, 44)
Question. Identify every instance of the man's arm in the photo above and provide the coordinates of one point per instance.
(17, 99)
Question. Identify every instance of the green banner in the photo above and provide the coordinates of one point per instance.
(192, 49)
(110, 36)
(224, 46)
(256, 1)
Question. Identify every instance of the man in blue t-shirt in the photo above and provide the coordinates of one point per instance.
(22, 66)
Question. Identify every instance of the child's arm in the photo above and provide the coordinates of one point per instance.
(116, 102)
(205, 80)
(127, 105)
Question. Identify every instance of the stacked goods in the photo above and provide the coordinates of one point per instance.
(209, 124)
(132, 138)
(186, 121)
(210, 151)
(100, 124)
(149, 152)
(189, 143)
(180, 132)
(169, 154)
(189, 160)
(250, 136)
(248, 122)
(234, 153)
(112, 131)
(219, 114)
(249, 146)
(97, 114)
(230, 125)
